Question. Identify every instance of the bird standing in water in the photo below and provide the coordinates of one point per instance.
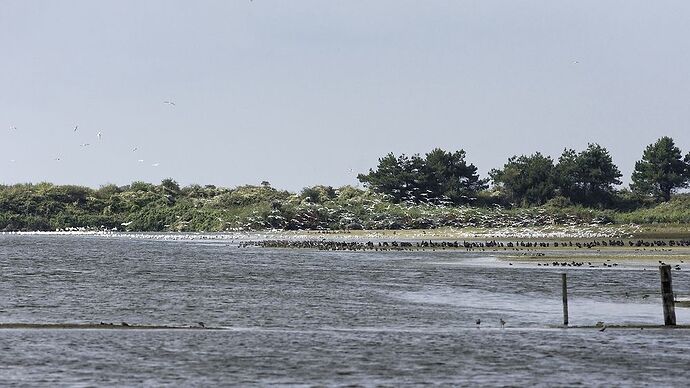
(503, 323)
(478, 322)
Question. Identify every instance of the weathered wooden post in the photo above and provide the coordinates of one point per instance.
(565, 300)
(667, 295)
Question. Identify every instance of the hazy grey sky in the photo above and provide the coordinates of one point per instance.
(304, 92)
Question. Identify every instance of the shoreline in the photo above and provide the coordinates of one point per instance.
(101, 326)
(547, 232)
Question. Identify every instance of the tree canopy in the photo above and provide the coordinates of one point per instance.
(661, 171)
(526, 180)
(587, 177)
(401, 192)
(440, 176)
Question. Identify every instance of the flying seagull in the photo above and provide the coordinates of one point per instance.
(135, 149)
(155, 164)
(76, 127)
(100, 134)
(169, 103)
(13, 128)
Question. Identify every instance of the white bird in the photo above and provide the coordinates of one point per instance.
(156, 164)
(13, 128)
(140, 160)
(169, 103)
(84, 144)
(100, 134)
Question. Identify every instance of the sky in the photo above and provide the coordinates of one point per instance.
(305, 92)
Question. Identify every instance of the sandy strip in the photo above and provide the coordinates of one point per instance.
(628, 327)
(98, 326)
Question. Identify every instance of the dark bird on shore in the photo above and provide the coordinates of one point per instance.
(125, 324)
(503, 323)
(201, 324)
(478, 322)
(645, 296)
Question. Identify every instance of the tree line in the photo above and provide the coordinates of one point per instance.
(403, 192)
(588, 178)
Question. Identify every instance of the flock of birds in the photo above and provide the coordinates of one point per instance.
(200, 325)
(320, 217)
(491, 245)
(99, 137)
(377, 212)
(478, 322)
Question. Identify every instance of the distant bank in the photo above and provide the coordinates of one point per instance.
(167, 207)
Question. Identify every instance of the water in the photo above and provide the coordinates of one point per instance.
(300, 317)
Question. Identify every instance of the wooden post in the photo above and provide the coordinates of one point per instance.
(565, 300)
(667, 295)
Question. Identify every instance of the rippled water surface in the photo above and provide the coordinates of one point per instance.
(303, 317)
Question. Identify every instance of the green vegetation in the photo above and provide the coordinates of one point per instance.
(588, 177)
(585, 178)
(661, 170)
(527, 180)
(675, 211)
(439, 177)
(167, 207)
(440, 189)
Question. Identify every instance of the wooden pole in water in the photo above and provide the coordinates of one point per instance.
(565, 300)
(667, 295)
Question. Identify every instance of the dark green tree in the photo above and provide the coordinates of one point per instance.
(661, 171)
(439, 175)
(449, 176)
(587, 177)
(528, 180)
(399, 177)
(566, 174)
